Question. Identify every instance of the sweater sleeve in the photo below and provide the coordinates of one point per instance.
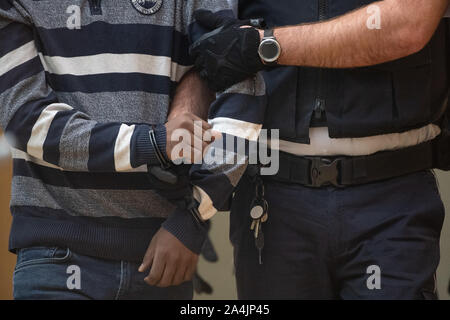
(238, 113)
(39, 126)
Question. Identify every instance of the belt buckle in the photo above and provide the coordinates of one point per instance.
(325, 172)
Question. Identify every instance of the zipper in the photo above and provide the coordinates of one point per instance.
(322, 10)
(96, 7)
(319, 105)
(319, 108)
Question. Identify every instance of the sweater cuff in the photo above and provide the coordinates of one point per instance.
(144, 153)
(187, 229)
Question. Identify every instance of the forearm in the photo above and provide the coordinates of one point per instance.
(347, 41)
(192, 95)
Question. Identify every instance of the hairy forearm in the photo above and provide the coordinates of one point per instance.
(347, 41)
(192, 95)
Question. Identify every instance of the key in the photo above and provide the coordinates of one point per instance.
(257, 210)
(265, 216)
(256, 213)
(257, 227)
(259, 243)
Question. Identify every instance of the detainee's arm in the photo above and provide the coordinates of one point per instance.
(41, 128)
(193, 96)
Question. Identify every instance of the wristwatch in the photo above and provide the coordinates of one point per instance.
(269, 49)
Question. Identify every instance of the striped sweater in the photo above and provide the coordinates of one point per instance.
(77, 102)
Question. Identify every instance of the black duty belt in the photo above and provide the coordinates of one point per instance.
(346, 171)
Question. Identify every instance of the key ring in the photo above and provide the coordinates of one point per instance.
(259, 189)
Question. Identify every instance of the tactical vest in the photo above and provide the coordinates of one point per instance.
(391, 97)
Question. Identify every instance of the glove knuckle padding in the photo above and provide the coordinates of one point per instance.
(229, 57)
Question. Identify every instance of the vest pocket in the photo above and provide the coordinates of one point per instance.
(411, 81)
(386, 98)
(412, 94)
(281, 84)
(361, 103)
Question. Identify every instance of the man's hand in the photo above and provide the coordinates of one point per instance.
(187, 138)
(170, 261)
(228, 54)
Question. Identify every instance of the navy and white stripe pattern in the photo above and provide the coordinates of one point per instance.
(238, 113)
(78, 104)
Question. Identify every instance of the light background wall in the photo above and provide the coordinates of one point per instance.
(220, 274)
(443, 274)
(7, 260)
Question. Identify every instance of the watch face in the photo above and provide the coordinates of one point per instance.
(269, 50)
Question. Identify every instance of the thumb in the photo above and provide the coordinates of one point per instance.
(208, 19)
(148, 259)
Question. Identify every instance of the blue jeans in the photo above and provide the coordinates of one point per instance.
(374, 241)
(56, 273)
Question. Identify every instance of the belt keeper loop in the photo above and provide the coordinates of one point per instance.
(294, 174)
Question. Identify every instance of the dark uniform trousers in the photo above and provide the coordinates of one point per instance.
(373, 241)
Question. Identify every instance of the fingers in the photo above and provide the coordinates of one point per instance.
(148, 259)
(190, 122)
(198, 149)
(215, 135)
(179, 276)
(188, 138)
(156, 271)
(173, 263)
(189, 154)
(198, 122)
(178, 270)
(190, 271)
(168, 275)
(192, 148)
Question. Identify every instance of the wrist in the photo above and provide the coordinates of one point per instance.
(279, 35)
(159, 141)
(178, 112)
(185, 228)
(261, 34)
(261, 37)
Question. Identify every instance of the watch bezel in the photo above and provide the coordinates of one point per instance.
(271, 41)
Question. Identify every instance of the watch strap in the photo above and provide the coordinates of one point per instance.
(269, 33)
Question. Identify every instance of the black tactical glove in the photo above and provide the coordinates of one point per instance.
(228, 54)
